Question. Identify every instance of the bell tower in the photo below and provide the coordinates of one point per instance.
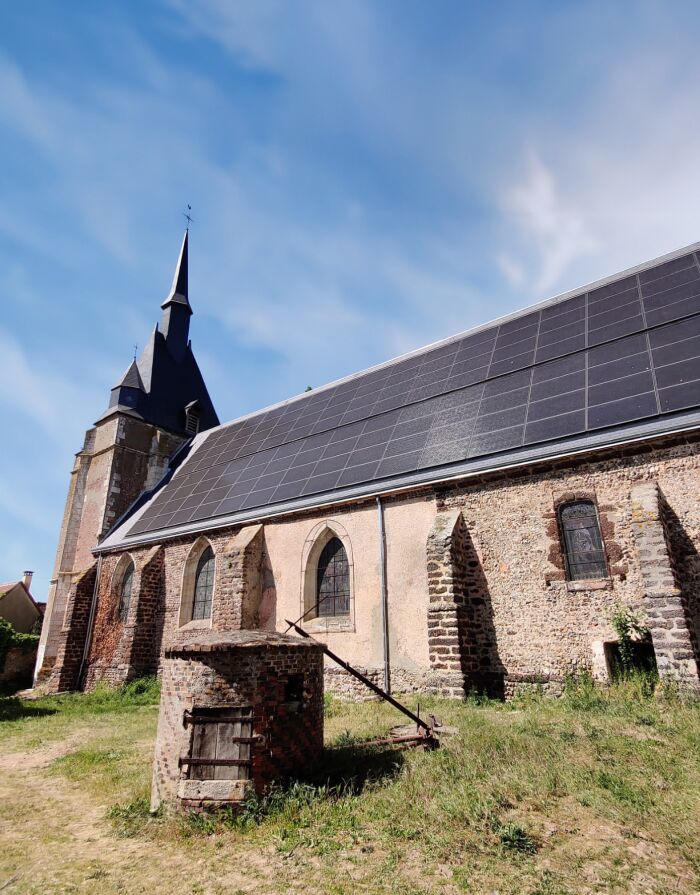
(127, 450)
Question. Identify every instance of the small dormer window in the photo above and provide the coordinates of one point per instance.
(192, 418)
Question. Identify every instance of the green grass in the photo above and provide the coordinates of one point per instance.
(598, 791)
(103, 699)
(37, 722)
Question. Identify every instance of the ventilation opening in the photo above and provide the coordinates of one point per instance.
(191, 420)
(294, 691)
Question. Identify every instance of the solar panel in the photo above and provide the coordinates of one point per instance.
(626, 351)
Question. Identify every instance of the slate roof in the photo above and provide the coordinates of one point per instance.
(179, 291)
(612, 362)
(132, 377)
(166, 378)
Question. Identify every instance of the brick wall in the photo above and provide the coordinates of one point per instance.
(209, 670)
(122, 650)
(65, 673)
(121, 457)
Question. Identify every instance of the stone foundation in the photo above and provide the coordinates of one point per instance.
(344, 686)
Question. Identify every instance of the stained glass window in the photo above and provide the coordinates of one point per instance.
(125, 592)
(582, 542)
(203, 585)
(333, 581)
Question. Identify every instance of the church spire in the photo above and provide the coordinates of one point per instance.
(175, 322)
(164, 387)
(179, 289)
(132, 378)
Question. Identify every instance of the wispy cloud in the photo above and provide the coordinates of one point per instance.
(616, 187)
(556, 235)
(33, 393)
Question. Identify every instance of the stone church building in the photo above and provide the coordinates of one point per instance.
(465, 517)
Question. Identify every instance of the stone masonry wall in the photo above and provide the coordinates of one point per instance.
(683, 539)
(446, 610)
(666, 608)
(463, 649)
(65, 673)
(545, 626)
(121, 457)
(239, 587)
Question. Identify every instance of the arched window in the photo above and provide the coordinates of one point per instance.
(203, 585)
(581, 540)
(333, 581)
(125, 586)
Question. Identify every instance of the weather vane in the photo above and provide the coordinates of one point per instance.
(136, 348)
(188, 216)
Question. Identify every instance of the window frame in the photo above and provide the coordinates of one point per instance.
(317, 538)
(206, 564)
(189, 585)
(331, 560)
(124, 603)
(121, 571)
(598, 568)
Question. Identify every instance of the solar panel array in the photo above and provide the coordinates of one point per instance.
(623, 352)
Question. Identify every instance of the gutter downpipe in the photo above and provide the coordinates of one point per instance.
(91, 620)
(385, 595)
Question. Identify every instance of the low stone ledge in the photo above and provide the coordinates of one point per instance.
(192, 642)
(214, 790)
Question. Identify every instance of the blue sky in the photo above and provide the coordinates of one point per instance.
(366, 177)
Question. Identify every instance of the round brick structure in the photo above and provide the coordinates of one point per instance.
(238, 712)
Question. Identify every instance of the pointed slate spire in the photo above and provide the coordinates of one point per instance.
(175, 322)
(129, 391)
(179, 289)
(132, 378)
(165, 385)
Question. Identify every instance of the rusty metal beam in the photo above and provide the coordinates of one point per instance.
(366, 681)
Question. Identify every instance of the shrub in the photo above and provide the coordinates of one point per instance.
(630, 632)
(516, 838)
(130, 819)
(10, 638)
